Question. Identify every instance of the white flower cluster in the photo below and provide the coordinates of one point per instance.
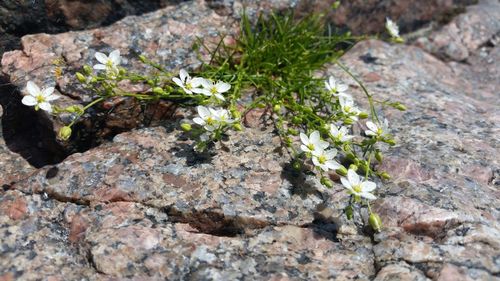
(323, 157)
(201, 85)
(212, 119)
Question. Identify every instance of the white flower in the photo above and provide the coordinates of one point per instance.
(206, 119)
(221, 115)
(392, 28)
(213, 89)
(376, 129)
(39, 98)
(211, 119)
(186, 82)
(109, 63)
(336, 88)
(324, 159)
(348, 108)
(357, 187)
(340, 133)
(313, 142)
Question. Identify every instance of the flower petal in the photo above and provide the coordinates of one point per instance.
(178, 82)
(353, 177)
(368, 196)
(46, 106)
(29, 100)
(332, 164)
(314, 137)
(32, 89)
(219, 96)
(327, 86)
(222, 87)
(183, 75)
(368, 186)
(47, 92)
(331, 82)
(205, 83)
(315, 161)
(100, 57)
(304, 138)
(371, 126)
(345, 182)
(114, 56)
(203, 111)
(334, 130)
(52, 97)
(196, 82)
(342, 87)
(199, 121)
(331, 153)
(100, 67)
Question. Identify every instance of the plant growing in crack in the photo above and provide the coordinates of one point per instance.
(278, 59)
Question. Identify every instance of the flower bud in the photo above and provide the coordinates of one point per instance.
(297, 120)
(351, 156)
(390, 142)
(378, 156)
(353, 167)
(87, 69)
(363, 115)
(341, 171)
(277, 108)
(385, 176)
(375, 222)
(74, 109)
(261, 105)
(237, 127)
(64, 133)
(308, 110)
(158, 90)
(143, 58)
(326, 182)
(401, 107)
(399, 40)
(150, 82)
(296, 165)
(288, 141)
(80, 77)
(186, 127)
(235, 113)
(349, 212)
(292, 132)
(348, 121)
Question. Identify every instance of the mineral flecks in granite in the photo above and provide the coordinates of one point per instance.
(13, 167)
(146, 206)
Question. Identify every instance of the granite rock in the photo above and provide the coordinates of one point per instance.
(368, 16)
(13, 167)
(146, 206)
(466, 33)
(166, 35)
(440, 208)
(21, 17)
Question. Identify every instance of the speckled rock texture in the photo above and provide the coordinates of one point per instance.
(167, 35)
(21, 17)
(13, 167)
(368, 16)
(146, 206)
